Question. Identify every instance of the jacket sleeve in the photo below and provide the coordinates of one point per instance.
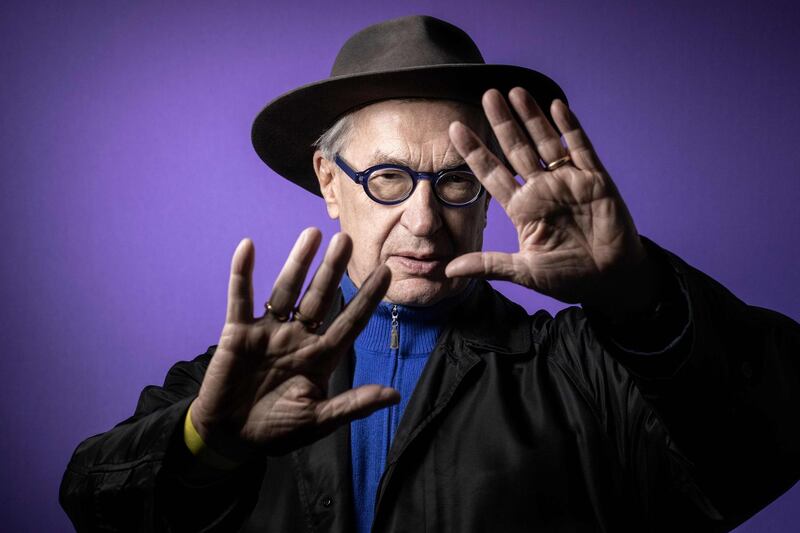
(139, 476)
(704, 415)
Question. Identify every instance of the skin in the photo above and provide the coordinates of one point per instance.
(417, 238)
(265, 389)
(577, 239)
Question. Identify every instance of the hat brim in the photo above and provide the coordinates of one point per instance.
(283, 132)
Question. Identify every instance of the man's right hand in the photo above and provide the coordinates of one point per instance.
(266, 387)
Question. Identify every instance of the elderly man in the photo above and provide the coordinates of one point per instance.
(400, 392)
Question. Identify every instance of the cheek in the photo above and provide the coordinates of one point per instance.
(368, 227)
(466, 228)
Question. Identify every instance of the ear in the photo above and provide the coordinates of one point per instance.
(327, 179)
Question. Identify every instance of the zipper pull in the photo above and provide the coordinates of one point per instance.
(395, 329)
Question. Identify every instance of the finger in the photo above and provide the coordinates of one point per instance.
(488, 265)
(515, 143)
(354, 403)
(291, 277)
(548, 141)
(240, 285)
(344, 330)
(321, 291)
(487, 167)
(580, 148)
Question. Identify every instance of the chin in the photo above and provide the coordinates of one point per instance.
(422, 291)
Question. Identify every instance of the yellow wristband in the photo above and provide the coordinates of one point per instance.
(201, 450)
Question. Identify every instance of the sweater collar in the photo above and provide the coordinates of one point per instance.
(419, 326)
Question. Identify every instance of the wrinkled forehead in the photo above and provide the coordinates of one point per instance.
(407, 126)
(410, 113)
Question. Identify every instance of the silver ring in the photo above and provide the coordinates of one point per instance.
(270, 311)
(309, 323)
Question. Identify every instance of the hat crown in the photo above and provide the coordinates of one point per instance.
(415, 56)
(412, 41)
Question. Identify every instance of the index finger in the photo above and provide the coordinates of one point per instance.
(491, 172)
(344, 330)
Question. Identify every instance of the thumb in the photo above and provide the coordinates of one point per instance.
(352, 404)
(489, 265)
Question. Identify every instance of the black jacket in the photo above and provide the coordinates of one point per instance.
(518, 423)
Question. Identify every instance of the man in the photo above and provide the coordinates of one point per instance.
(400, 392)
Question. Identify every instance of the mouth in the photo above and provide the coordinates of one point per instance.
(419, 264)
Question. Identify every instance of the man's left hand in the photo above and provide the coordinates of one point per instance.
(577, 240)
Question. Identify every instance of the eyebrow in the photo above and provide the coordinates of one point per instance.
(379, 157)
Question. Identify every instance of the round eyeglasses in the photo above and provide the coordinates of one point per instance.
(390, 183)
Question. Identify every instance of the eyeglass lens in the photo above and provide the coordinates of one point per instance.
(394, 184)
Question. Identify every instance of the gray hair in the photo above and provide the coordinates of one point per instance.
(335, 138)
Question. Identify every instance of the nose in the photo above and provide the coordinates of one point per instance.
(422, 213)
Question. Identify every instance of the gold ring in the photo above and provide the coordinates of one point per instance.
(309, 323)
(560, 162)
(271, 311)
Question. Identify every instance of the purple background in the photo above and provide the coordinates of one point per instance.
(128, 177)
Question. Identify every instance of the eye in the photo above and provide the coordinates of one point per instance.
(388, 175)
(458, 187)
(462, 179)
(390, 184)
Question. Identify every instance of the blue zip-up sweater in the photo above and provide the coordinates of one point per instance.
(391, 350)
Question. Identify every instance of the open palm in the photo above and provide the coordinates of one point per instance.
(266, 387)
(574, 229)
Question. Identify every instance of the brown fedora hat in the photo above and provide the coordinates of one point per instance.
(413, 56)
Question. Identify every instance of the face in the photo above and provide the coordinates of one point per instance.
(418, 237)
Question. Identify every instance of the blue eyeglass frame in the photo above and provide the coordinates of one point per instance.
(362, 178)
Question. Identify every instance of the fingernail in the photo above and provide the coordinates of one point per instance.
(391, 394)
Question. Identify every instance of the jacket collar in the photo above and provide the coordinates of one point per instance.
(486, 321)
(490, 322)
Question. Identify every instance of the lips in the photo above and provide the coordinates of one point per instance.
(420, 257)
(418, 264)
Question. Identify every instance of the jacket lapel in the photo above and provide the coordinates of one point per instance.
(322, 469)
(486, 323)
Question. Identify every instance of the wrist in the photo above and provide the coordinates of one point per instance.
(661, 325)
(630, 294)
(204, 453)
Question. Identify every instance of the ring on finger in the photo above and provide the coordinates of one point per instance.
(560, 162)
(277, 316)
(309, 323)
